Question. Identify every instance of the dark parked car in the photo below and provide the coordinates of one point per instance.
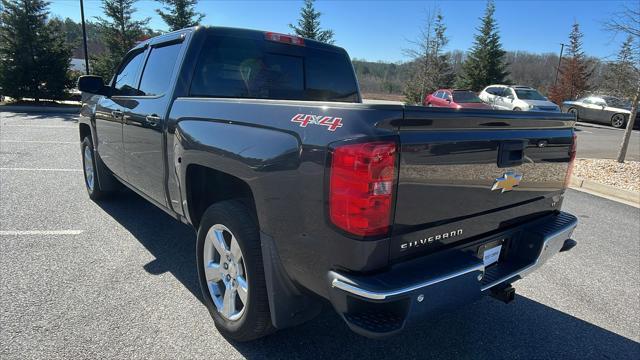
(455, 99)
(600, 109)
(302, 195)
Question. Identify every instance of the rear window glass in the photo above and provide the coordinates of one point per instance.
(246, 68)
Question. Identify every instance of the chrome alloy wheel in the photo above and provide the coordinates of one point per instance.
(88, 168)
(225, 272)
(618, 120)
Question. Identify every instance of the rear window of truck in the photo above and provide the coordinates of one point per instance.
(232, 67)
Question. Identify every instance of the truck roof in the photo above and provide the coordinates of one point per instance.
(260, 35)
(243, 33)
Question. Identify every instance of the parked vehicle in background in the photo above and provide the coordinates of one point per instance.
(455, 99)
(600, 109)
(301, 194)
(517, 98)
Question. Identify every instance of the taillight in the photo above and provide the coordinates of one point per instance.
(283, 38)
(361, 187)
(572, 160)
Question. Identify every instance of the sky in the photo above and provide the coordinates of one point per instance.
(379, 30)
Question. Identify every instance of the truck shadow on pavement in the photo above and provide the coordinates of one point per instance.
(35, 116)
(487, 329)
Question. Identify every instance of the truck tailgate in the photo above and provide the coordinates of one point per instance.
(459, 169)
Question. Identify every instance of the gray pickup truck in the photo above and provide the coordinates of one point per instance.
(302, 195)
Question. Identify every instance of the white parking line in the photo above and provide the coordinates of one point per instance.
(39, 142)
(39, 169)
(39, 232)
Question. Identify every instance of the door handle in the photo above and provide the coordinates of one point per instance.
(153, 119)
(116, 113)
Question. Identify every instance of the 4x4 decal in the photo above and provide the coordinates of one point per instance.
(332, 123)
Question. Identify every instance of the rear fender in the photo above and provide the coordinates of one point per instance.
(252, 154)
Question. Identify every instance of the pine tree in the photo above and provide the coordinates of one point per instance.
(431, 66)
(309, 24)
(180, 14)
(485, 63)
(119, 32)
(34, 59)
(622, 76)
(574, 71)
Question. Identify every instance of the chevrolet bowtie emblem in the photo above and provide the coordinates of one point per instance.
(507, 182)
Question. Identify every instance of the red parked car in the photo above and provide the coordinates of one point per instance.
(455, 99)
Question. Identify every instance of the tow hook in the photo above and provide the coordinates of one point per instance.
(505, 293)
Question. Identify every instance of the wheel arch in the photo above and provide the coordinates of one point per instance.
(205, 186)
(85, 130)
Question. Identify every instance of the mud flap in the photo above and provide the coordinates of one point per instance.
(288, 305)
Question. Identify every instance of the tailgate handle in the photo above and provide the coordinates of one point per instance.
(510, 153)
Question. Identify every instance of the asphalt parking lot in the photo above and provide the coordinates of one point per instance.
(603, 142)
(118, 279)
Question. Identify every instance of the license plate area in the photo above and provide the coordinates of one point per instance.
(490, 252)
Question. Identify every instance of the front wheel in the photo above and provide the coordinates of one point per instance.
(89, 167)
(231, 272)
(618, 121)
(517, 109)
(574, 112)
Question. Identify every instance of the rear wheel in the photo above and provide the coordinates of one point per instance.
(231, 271)
(618, 121)
(517, 109)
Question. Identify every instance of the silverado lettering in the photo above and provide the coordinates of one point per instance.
(430, 239)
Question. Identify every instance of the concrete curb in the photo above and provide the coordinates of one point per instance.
(40, 109)
(606, 191)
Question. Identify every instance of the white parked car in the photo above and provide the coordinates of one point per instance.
(516, 97)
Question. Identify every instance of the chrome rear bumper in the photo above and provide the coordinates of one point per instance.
(428, 285)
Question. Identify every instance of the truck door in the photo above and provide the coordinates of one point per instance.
(110, 111)
(144, 121)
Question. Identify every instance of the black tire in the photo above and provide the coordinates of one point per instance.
(255, 322)
(573, 111)
(517, 109)
(93, 187)
(616, 123)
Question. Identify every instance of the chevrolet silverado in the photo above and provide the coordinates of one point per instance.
(302, 195)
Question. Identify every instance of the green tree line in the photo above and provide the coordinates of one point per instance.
(432, 65)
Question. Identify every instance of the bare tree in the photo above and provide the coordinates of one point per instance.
(431, 67)
(627, 22)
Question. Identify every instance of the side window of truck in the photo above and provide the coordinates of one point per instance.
(156, 75)
(127, 76)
